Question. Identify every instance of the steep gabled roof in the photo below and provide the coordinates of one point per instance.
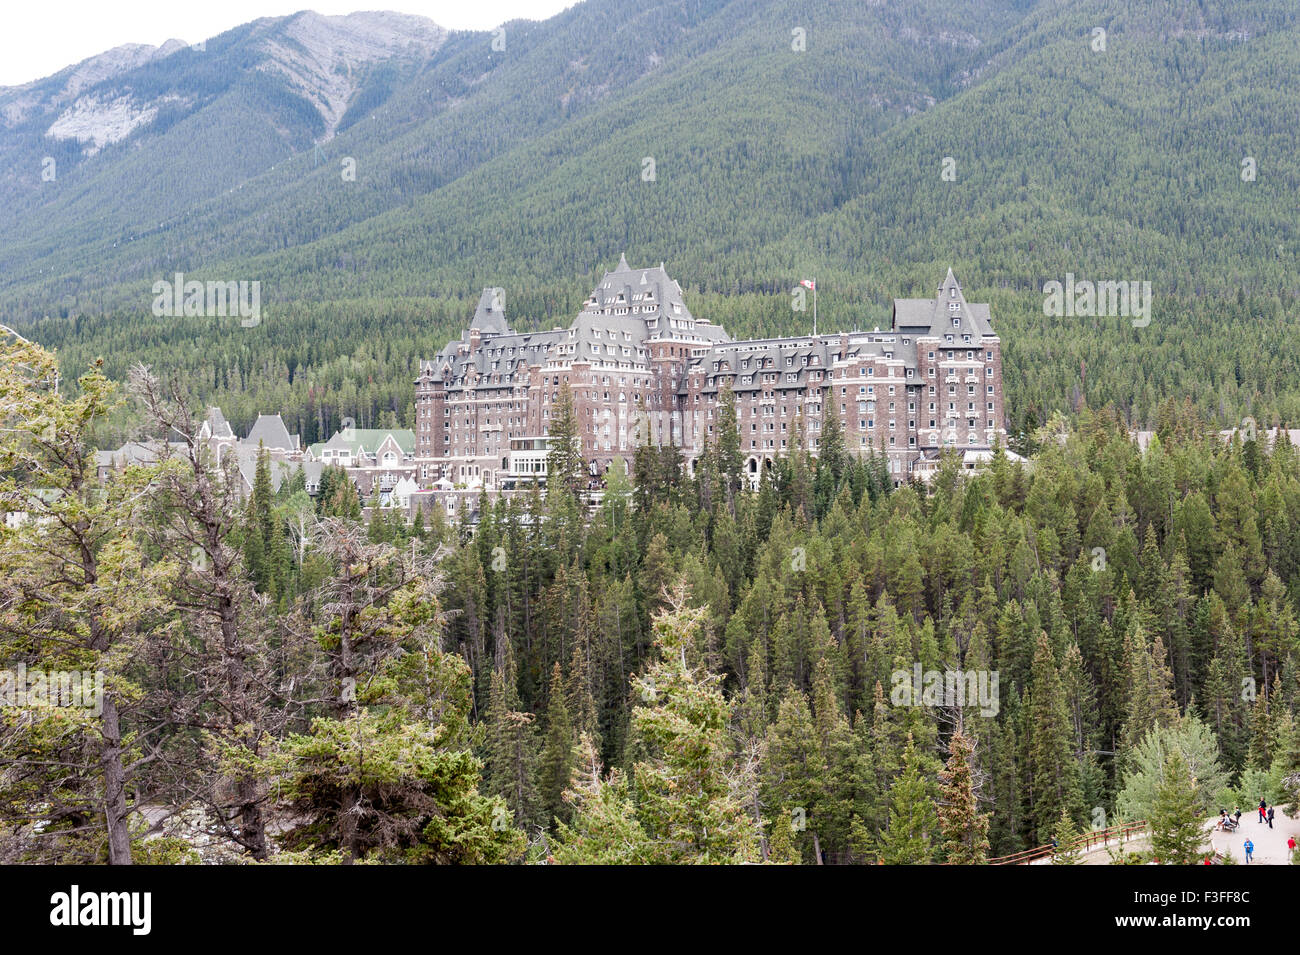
(626, 287)
(490, 316)
(217, 426)
(269, 430)
(947, 313)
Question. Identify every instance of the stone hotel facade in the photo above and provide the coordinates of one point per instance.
(642, 368)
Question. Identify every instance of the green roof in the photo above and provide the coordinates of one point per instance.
(367, 439)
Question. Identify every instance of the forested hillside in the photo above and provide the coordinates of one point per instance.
(519, 160)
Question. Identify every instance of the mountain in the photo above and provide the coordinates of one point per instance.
(747, 143)
(140, 135)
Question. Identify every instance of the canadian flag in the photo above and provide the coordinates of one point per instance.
(808, 283)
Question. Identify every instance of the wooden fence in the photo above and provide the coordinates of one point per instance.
(1121, 833)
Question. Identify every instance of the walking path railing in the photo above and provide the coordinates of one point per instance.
(1086, 842)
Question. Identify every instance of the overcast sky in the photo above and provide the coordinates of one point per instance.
(40, 38)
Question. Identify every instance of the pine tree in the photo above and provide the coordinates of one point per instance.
(965, 829)
(1177, 821)
(1053, 772)
(907, 841)
(605, 829)
(558, 753)
(1066, 840)
(78, 594)
(685, 788)
(510, 743)
(258, 549)
(781, 848)
(831, 452)
(728, 446)
(794, 773)
(1260, 755)
(399, 783)
(564, 467)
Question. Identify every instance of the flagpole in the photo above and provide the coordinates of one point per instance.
(814, 308)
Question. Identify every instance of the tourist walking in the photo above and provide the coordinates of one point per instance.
(1270, 817)
(1250, 849)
